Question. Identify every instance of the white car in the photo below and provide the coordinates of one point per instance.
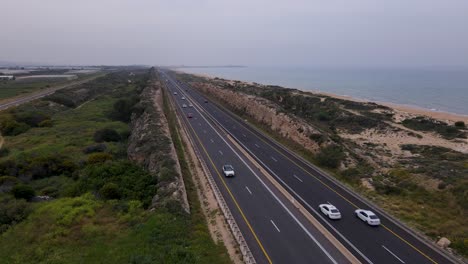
(175, 93)
(228, 170)
(183, 97)
(367, 216)
(184, 106)
(330, 210)
(190, 105)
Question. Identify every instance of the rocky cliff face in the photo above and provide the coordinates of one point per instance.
(150, 146)
(265, 112)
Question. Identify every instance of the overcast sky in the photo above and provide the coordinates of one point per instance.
(247, 32)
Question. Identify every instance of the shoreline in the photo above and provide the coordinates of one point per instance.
(409, 109)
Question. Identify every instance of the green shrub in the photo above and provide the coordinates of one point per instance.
(61, 99)
(107, 135)
(31, 118)
(135, 183)
(319, 138)
(4, 152)
(8, 180)
(46, 166)
(95, 148)
(123, 108)
(23, 191)
(46, 123)
(99, 157)
(330, 156)
(110, 191)
(10, 127)
(460, 124)
(12, 211)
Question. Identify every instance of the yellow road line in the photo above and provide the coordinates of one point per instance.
(232, 196)
(329, 187)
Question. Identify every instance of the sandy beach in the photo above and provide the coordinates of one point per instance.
(412, 110)
(401, 109)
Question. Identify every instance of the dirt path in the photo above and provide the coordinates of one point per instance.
(14, 101)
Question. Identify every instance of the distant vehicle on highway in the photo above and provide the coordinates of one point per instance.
(189, 115)
(206, 101)
(175, 93)
(330, 210)
(367, 216)
(183, 97)
(184, 106)
(190, 105)
(228, 170)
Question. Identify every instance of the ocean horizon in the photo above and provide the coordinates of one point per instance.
(436, 89)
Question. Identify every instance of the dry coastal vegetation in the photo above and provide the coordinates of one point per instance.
(413, 166)
(90, 174)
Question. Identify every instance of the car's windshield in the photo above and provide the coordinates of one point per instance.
(334, 211)
(228, 167)
(373, 217)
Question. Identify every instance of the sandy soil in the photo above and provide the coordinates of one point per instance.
(408, 110)
(403, 109)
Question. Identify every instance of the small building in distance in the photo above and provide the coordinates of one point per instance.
(7, 77)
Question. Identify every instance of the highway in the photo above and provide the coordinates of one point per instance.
(274, 229)
(391, 242)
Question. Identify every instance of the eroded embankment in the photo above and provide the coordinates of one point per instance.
(150, 146)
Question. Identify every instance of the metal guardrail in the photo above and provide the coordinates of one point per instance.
(247, 255)
(417, 235)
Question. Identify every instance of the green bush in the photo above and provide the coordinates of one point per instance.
(330, 156)
(10, 127)
(99, 157)
(32, 119)
(4, 152)
(460, 124)
(23, 191)
(110, 191)
(123, 108)
(135, 183)
(8, 180)
(12, 211)
(95, 148)
(46, 123)
(107, 135)
(318, 138)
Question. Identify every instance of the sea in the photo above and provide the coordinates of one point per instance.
(436, 89)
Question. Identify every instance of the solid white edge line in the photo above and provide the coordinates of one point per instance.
(279, 231)
(270, 191)
(300, 198)
(308, 205)
(299, 179)
(393, 254)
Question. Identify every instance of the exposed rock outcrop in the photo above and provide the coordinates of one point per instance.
(265, 112)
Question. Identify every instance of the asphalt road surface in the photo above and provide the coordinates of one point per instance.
(391, 242)
(273, 228)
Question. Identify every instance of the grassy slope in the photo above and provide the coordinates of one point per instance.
(85, 229)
